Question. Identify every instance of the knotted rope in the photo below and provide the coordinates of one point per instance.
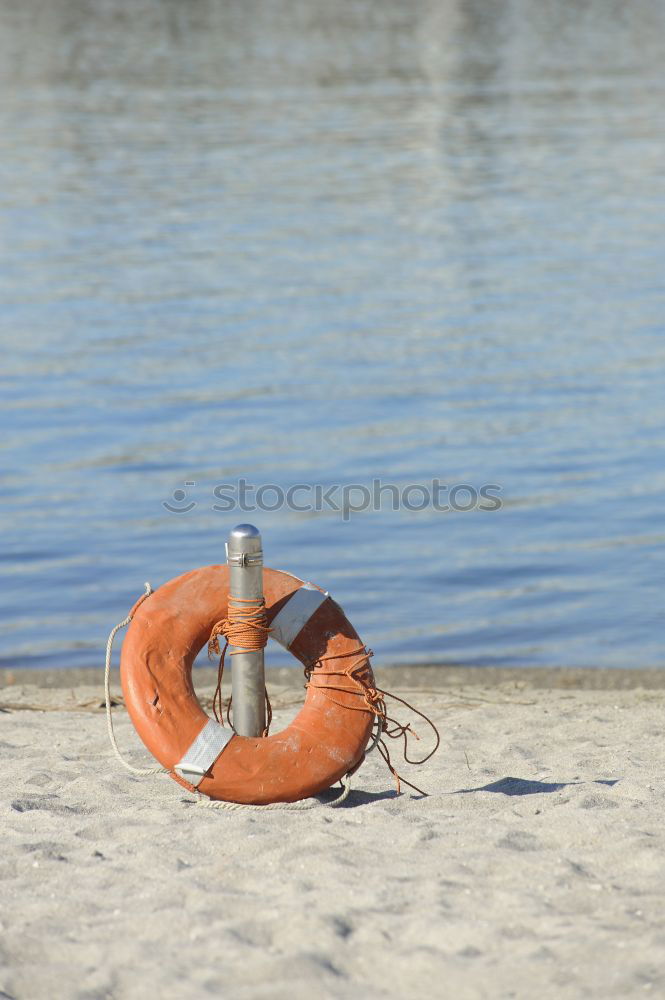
(374, 701)
(246, 629)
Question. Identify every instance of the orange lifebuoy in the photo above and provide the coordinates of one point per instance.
(326, 740)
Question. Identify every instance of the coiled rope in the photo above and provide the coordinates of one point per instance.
(246, 629)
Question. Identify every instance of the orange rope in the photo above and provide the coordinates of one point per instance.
(374, 701)
(245, 628)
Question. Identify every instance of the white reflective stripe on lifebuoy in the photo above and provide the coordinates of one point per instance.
(203, 752)
(295, 614)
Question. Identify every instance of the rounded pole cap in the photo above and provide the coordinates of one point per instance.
(245, 531)
(244, 539)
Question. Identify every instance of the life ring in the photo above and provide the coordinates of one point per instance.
(325, 741)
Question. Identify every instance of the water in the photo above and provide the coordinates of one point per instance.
(321, 243)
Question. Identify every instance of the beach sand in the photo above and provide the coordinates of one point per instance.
(535, 868)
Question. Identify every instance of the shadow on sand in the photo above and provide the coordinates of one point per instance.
(358, 798)
(521, 786)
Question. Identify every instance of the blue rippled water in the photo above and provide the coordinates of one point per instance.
(307, 242)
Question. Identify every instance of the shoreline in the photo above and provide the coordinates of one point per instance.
(420, 676)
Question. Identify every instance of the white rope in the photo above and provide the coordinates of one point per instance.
(107, 695)
(206, 803)
(377, 736)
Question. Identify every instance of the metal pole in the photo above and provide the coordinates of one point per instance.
(245, 559)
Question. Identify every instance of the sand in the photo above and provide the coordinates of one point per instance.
(534, 869)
